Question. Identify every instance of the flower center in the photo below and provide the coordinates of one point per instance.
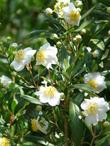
(34, 125)
(92, 109)
(40, 56)
(50, 91)
(74, 15)
(5, 142)
(19, 55)
(92, 83)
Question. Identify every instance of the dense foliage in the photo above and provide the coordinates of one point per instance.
(54, 73)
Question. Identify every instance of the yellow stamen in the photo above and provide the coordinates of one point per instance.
(50, 91)
(92, 109)
(5, 141)
(92, 83)
(40, 56)
(74, 15)
(20, 55)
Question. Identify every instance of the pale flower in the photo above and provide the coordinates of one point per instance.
(94, 110)
(60, 4)
(96, 81)
(71, 15)
(49, 94)
(5, 81)
(22, 58)
(4, 141)
(37, 125)
(47, 56)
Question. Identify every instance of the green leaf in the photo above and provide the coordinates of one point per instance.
(84, 87)
(31, 99)
(98, 43)
(76, 125)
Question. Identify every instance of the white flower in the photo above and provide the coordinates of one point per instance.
(22, 58)
(5, 81)
(71, 15)
(96, 81)
(94, 110)
(41, 125)
(49, 94)
(47, 56)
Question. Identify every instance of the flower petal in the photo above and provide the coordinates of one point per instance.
(17, 66)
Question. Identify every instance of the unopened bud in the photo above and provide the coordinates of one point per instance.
(78, 38)
(48, 11)
(79, 3)
(54, 36)
(9, 38)
(109, 32)
(95, 53)
(106, 124)
(14, 45)
(83, 31)
(88, 49)
(59, 44)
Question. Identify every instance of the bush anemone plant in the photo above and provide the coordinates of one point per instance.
(55, 81)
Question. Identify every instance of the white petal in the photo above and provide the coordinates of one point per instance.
(43, 99)
(85, 104)
(17, 66)
(71, 6)
(91, 120)
(54, 101)
(29, 53)
(45, 46)
(52, 51)
(102, 116)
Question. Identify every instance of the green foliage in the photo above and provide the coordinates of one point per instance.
(25, 23)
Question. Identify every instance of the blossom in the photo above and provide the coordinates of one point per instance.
(5, 81)
(47, 55)
(49, 94)
(37, 125)
(4, 141)
(94, 110)
(71, 15)
(60, 4)
(22, 58)
(96, 81)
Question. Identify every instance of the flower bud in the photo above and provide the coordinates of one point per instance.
(106, 124)
(109, 32)
(78, 38)
(14, 45)
(9, 38)
(54, 36)
(59, 44)
(88, 49)
(14, 73)
(95, 53)
(48, 11)
(79, 9)
(79, 3)
(83, 31)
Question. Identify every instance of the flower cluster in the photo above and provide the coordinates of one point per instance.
(56, 83)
